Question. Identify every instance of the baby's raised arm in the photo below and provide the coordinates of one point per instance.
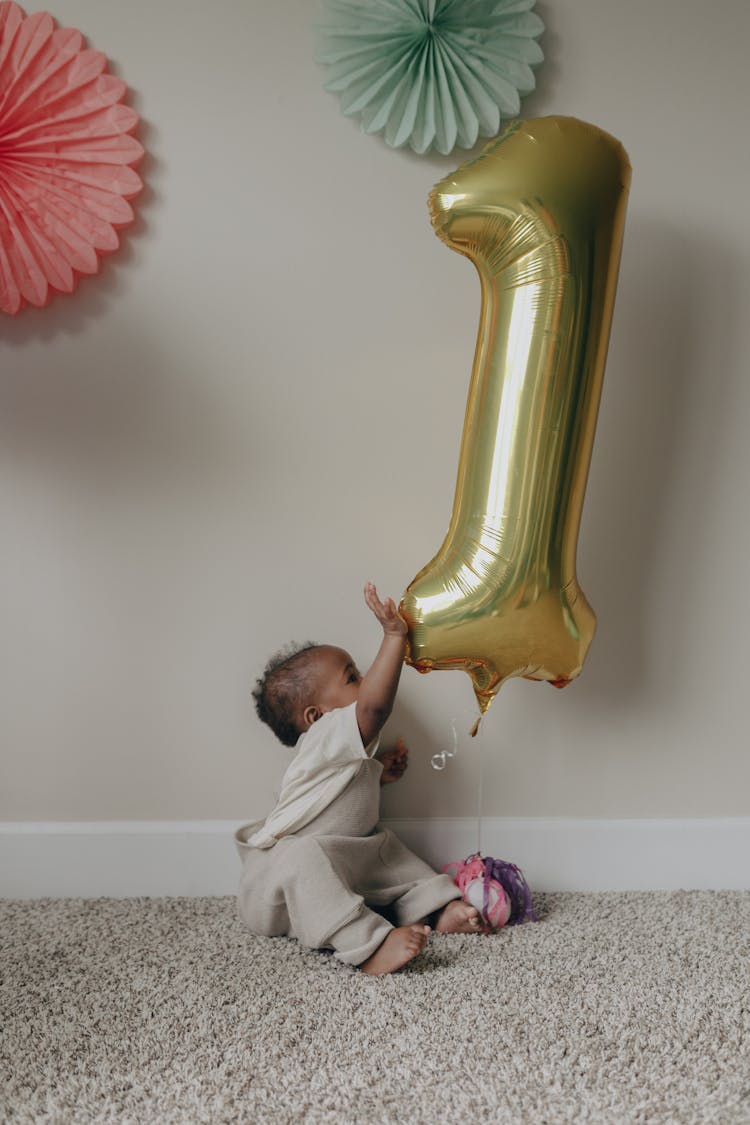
(378, 688)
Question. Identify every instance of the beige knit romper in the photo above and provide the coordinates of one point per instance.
(320, 884)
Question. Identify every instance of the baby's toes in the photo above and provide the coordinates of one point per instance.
(471, 919)
(417, 945)
(459, 918)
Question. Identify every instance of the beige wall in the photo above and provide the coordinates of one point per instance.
(208, 449)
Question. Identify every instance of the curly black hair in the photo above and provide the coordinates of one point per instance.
(281, 689)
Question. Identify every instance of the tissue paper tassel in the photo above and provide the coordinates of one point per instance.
(65, 158)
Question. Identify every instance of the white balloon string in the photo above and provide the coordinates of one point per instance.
(480, 750)
(440, 760)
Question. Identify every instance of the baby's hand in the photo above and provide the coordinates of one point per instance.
(386, 612)
(395, 762)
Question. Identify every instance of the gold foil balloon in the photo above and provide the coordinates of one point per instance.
(540, 212)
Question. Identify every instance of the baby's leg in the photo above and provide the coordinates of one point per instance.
(293, 889)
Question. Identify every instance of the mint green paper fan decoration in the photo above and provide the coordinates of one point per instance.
(430, 73)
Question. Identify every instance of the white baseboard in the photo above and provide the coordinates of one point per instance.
(122, 859)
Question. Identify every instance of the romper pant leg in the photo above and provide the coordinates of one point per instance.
(383, 870)
(293, 889)
(416, 889)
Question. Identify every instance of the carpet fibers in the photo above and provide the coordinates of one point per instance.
(613, 1008)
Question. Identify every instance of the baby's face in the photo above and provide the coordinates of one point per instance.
(336, 679)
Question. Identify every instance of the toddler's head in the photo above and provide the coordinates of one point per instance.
(301, 683)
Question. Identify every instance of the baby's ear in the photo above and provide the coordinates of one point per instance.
(310, 715)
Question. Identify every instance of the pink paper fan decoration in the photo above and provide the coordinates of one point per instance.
(65, 158)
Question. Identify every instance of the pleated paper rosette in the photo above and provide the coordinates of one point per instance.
(66, 158)
(430, 73)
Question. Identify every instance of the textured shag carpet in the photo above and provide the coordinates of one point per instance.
(613, 1008)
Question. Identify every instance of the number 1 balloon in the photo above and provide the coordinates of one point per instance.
(540, 212)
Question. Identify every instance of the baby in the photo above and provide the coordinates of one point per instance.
(321, 868)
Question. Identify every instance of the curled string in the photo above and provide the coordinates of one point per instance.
(440, 760)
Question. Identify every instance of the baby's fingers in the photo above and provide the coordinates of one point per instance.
(373, 601)
(387, 614)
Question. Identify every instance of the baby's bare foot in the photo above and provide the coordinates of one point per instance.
(401, 945)
(458, 918)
